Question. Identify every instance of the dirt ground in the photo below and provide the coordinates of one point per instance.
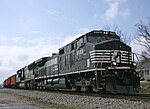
(9, 101)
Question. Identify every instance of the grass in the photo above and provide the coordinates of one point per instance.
(145, 87)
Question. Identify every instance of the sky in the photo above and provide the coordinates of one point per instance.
(31, 29)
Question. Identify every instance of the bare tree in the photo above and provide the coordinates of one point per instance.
(122, 34)
(143, 36)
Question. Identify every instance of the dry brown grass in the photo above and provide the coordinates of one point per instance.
(145, 87)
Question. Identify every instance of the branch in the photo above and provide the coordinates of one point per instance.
(143, 30)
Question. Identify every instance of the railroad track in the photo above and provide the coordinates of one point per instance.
(131, 97)
(140, 96)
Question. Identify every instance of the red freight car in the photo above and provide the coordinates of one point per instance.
(10, 82)
(4, 83)
(13, 80)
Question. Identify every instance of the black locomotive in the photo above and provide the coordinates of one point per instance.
(96, 61)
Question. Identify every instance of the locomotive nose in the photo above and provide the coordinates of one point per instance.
(112, 45)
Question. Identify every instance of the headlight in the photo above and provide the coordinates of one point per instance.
(134, 64)
(114, 63)
(116, 72)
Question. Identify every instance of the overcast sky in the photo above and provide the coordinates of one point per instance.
(30, 29)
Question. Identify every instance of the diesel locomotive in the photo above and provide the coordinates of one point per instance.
(96, 61)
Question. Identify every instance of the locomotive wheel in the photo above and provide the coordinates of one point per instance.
(78, 88)
(89, 89)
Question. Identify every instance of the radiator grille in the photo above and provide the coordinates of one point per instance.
(107, 56)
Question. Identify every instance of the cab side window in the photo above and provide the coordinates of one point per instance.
(80, 41)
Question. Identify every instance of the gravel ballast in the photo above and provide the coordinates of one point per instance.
(52, 100)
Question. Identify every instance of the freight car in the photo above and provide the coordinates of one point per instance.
(10, 82)
(96, 61)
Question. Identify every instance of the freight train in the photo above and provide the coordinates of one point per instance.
(96, 61)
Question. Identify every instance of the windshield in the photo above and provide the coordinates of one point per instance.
(98, 38)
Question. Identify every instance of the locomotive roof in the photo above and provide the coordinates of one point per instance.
(41, 60)
(38, 62)
(100, 32)
(91, 33)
